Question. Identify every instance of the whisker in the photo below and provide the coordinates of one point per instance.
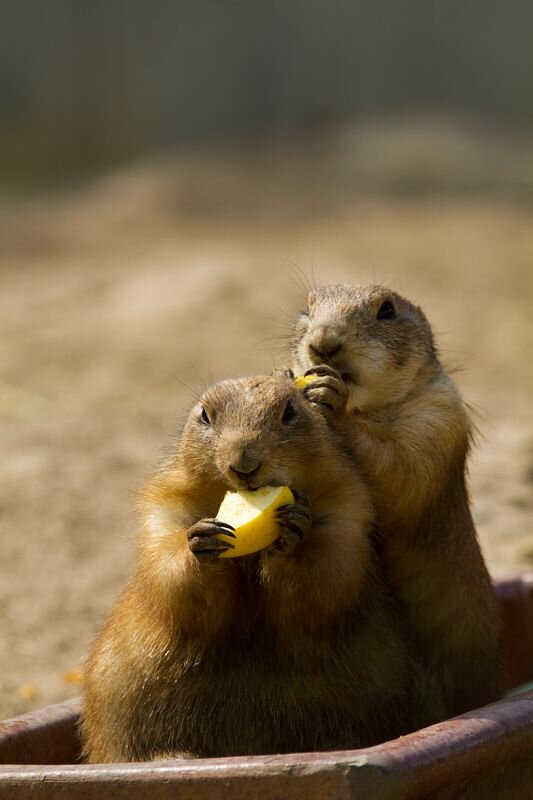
(193, 392)
(298, 277)
(477, 414)
(285, 324)
(313, 278)
(284, 311)
(280, 338)
(203, 383)
(278, 350)
(439, 333)
(393, 284)
(455, 368)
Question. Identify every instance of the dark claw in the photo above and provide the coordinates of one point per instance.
(329, 392)
(204, 542)
(293, 510)
(321, 385)
(209, 543)
(294, 519)
(326, 405)
(286, 544)
(229, 528)
(295, 524)
(210, 526)
(323, 369)
(300, 497)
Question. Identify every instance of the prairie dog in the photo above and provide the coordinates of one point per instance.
(409, 431)
(291, 649)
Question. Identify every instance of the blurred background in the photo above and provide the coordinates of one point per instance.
(172, 177)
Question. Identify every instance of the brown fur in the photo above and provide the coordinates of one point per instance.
(275, 652)
(409, 430)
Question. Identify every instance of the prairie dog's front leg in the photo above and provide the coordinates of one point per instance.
(180, 565)
(321, 572)
(203, 542)
(179, 601)
(294, 521)
(328, 392)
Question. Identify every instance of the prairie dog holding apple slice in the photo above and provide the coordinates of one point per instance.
(293, 648)
(374, 368)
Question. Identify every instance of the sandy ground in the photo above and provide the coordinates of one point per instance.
(120, 298)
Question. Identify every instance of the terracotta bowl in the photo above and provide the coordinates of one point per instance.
(487, 753)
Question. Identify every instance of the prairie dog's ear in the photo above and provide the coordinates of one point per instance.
(282, 372)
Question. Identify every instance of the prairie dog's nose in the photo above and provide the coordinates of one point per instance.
(245, 461)
(324, 343)
(244, 471)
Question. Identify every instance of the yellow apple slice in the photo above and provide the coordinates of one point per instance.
(301, 381)
(253, 515)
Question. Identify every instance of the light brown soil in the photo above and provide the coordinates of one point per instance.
(120, 298)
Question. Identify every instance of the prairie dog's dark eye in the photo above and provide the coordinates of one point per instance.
(289, 414)
(204, 416)
(304, 312)
(386, 311)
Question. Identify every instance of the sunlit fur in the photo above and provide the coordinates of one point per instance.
(410, 434)
(263, 654)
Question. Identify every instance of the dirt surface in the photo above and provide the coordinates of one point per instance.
(120, 298)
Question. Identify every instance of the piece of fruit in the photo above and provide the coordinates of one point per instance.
(301, 381)
(253, 515)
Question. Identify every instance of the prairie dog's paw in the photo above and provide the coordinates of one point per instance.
(294, 520)
(282, 372)
(202, 541)
(328, 391)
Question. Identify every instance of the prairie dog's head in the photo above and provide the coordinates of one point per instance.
(253, 432)
(380, 342)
